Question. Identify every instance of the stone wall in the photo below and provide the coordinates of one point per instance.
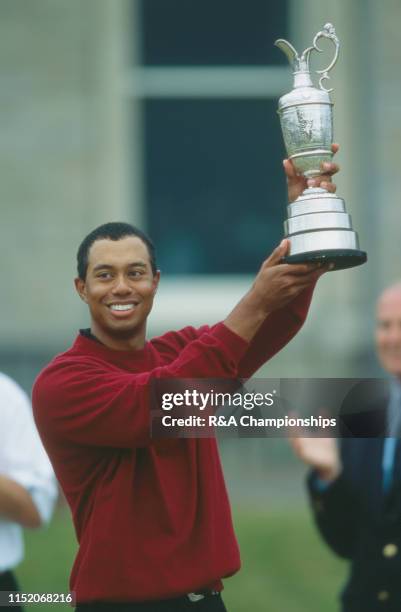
(61, 155)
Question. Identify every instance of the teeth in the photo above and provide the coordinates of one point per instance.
(122, 306)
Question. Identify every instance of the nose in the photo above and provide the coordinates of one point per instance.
(121, 286)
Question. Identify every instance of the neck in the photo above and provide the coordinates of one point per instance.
(133, 341)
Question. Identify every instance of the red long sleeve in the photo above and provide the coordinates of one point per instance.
(278, 329)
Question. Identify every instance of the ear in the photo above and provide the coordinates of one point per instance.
(80, 287)
(156, 280)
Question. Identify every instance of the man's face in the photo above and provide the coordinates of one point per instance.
(388, 331)
(119, 289)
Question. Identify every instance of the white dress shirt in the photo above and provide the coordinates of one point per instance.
(22, 459)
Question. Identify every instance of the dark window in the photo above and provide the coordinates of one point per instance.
(215, 188)
(212, 32)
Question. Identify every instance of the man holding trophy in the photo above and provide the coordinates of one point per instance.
(152, 517)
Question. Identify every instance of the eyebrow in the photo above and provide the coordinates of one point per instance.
(134, 264)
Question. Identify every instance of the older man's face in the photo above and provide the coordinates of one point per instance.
(388, 330)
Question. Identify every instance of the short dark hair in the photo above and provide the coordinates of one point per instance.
(112, 231)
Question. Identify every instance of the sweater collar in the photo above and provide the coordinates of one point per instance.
(89, 344)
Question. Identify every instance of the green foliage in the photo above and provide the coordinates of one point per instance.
(285, 566)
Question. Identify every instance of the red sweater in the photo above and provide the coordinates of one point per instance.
(152, 517)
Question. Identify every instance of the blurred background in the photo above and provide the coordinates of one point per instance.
(163, 113)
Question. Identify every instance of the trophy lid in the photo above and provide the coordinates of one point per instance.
(301, 63)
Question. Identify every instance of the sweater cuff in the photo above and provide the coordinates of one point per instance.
(318, 485)
(337, 486)
(236, 345)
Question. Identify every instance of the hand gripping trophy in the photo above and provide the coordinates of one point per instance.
(318, 226)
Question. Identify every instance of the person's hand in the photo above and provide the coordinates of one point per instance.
(275, 286)
(319, 453)
(297, 183)
(279, 283)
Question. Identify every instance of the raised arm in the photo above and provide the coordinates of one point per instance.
(277, 323)
(274, 309)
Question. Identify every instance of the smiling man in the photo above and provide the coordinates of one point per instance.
(152, 516)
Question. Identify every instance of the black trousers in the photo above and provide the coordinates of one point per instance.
(210, 603)
(9, 583)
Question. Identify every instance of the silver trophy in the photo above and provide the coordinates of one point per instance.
(318, 226)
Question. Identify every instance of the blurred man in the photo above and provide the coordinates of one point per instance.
(152, 516)
(356, 490)
(27, 485)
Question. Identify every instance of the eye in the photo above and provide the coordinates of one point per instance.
(135, 273)
(104, 275)
(383, 325)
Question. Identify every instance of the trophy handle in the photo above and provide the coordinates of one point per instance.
(330, 33)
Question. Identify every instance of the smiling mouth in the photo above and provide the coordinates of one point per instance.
(122, 307)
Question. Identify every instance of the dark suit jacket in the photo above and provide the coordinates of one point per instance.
(356, 519)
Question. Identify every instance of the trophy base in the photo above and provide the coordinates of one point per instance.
(320, 230)
(341, 258)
